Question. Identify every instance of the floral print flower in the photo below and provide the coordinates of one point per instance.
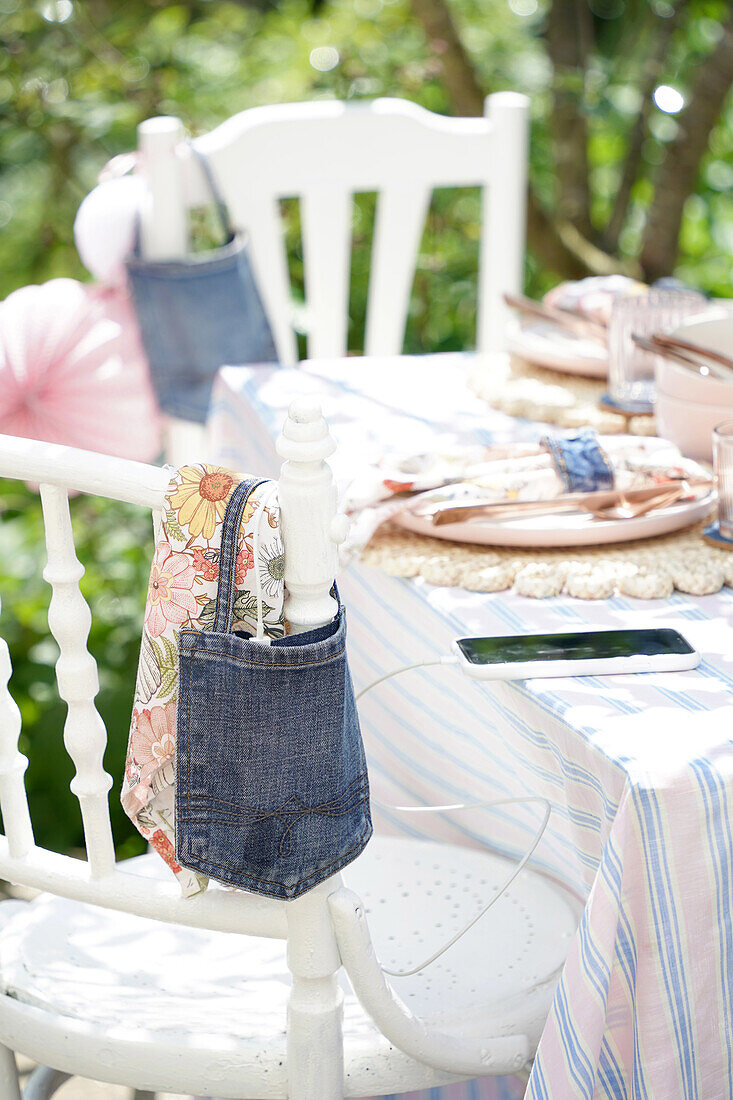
(154, 735)
(201, 498)
(245, 561)
(162, 845)
(170, 599)
(272, 568)
(208, 567)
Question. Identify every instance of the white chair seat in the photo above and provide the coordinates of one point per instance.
(159, 1006)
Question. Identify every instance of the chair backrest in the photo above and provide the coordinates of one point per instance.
(308, 506)
(323, 153)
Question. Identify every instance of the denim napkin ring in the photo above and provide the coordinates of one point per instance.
(581, 463)
(272, 792)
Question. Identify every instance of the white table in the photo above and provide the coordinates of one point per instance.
(639, 768)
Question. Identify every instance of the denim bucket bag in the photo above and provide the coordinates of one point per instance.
(198, 314)
(272, 792)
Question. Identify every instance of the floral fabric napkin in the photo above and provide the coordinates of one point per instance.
(182, 593)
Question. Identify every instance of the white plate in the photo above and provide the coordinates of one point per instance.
(548, 345)
(562, 528)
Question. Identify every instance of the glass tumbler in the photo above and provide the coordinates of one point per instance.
(630, 369)
(723, 466)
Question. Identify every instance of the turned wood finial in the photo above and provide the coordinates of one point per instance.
(311, 527)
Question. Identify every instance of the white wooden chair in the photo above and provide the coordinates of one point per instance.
(110, 974)
(323, 153)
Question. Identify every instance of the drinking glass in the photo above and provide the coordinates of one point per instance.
(630, 369)
(723, 466)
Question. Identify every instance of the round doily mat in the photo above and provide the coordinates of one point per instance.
(518, 388)
(649, 570)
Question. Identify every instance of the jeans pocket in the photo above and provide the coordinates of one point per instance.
(272, 791)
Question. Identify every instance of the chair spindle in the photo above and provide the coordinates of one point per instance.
(398, 231)
(326, 214)
(13, 798)
(85, 736)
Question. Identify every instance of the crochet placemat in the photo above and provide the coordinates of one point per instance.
(518, 388)
(648, 569)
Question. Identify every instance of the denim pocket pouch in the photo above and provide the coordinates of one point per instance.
(197, 314)
(272, 792)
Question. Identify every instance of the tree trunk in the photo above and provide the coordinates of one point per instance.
(459, 76)
(569, 39)
(562, 249)
(558, 242)
(678, 173)
(663, 31)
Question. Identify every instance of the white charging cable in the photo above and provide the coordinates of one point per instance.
(515, 872)
(263, 502)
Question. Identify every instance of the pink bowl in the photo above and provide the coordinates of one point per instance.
(677, 381)
(689, 405)
(690, 424)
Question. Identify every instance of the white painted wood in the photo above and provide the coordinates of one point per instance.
(13, 799)
(504, 203)
(398, 230)
(310, 529)
(130, 892)
(214, 1007)
(85, 735)
(9, 1085)
(164, 235)
(326, 213)
(497, 1054)
(315, 1006)
(81, 966)
(83, 471)
(357, 146)
(269, 263)
(324, 152)
(164, 217)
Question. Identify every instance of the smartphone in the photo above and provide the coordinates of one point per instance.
(590, 653)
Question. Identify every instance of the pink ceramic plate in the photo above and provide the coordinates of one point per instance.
(548, 345)
(562, 528)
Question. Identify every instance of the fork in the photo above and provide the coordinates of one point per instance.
(626, 509)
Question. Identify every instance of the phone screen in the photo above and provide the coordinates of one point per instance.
(591, 645)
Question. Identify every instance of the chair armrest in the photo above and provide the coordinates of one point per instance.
(496, 1055)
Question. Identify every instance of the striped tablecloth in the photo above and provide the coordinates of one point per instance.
(639, 769)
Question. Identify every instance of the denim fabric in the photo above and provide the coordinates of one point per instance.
(199, 313)
(272, 793)
(196, 315)
(581, 462)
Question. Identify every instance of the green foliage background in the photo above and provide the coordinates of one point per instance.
(77, 77)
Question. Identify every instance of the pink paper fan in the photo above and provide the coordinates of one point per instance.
(73, 370)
